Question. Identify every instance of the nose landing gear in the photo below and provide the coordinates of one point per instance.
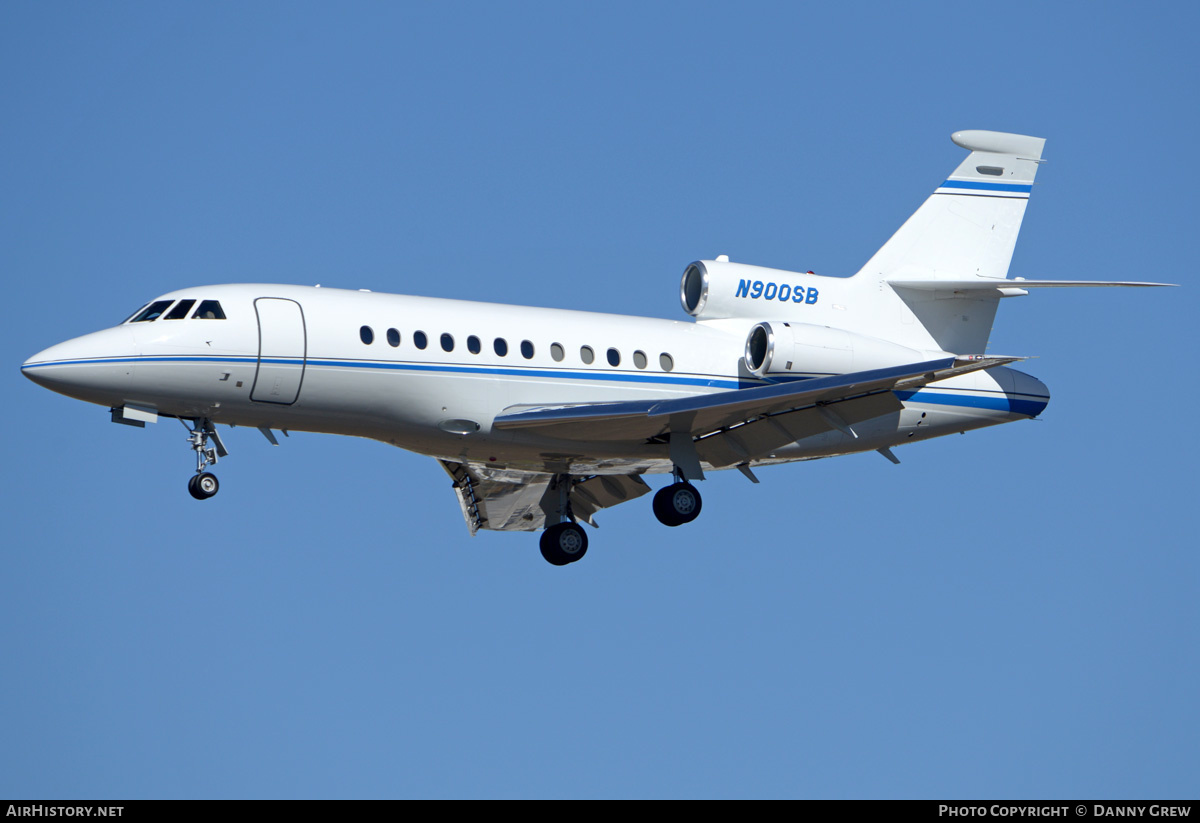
(203, 484)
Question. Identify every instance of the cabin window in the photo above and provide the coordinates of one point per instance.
(587, 355)
(526, 349)
(180, 311)
(367, 335)
(209, 310)
(473, 345)
(614, 357)
(666, 362)
(420, 340)
(556, 351)
(639, 359)
(447, 342)
(152, 312)
(500, 346)
(393, 337)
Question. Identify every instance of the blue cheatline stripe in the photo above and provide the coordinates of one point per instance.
(981, 185)
(1030, 405)
(93, 360)
(615, 377)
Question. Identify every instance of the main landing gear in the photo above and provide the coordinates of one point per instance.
(677, 504)
(564, 540)
(203, 484)
(564, 543)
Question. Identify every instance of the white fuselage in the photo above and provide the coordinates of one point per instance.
(293, 357)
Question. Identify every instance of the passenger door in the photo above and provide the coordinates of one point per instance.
(282, 349)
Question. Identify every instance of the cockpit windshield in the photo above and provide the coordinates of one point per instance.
(208, 310)
(180, 311)
(130, 317)
(151, 312)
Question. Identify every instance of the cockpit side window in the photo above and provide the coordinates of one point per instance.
(180, 311)
(209, 310)
(151, 312)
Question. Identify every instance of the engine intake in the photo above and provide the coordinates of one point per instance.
(805, 349)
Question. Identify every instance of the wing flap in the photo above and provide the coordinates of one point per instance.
(759, 438)
(508, 500)
(501, 500)
(605, 491)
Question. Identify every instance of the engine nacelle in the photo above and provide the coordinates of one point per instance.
(802, 348)
(718, 289)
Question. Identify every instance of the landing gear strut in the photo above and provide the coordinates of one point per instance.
(203, 484)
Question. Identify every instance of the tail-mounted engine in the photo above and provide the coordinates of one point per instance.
(718, 289)
(804, 349)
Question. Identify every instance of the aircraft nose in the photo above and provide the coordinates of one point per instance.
(96, 367)
(53, 366)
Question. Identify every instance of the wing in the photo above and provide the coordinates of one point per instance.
(732, 427)
(506, 500)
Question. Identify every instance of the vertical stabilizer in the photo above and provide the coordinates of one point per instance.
(966, 230)
(968, 227)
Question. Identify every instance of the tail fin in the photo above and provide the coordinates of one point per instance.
(968, 227)
(965, 231)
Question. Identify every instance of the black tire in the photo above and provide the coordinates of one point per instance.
(677, 504)
(203, 486)
(563, 543)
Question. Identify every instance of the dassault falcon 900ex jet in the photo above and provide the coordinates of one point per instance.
(541, 417)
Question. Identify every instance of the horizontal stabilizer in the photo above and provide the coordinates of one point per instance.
(996, 284)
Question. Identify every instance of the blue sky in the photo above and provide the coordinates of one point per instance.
(1011, 613)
